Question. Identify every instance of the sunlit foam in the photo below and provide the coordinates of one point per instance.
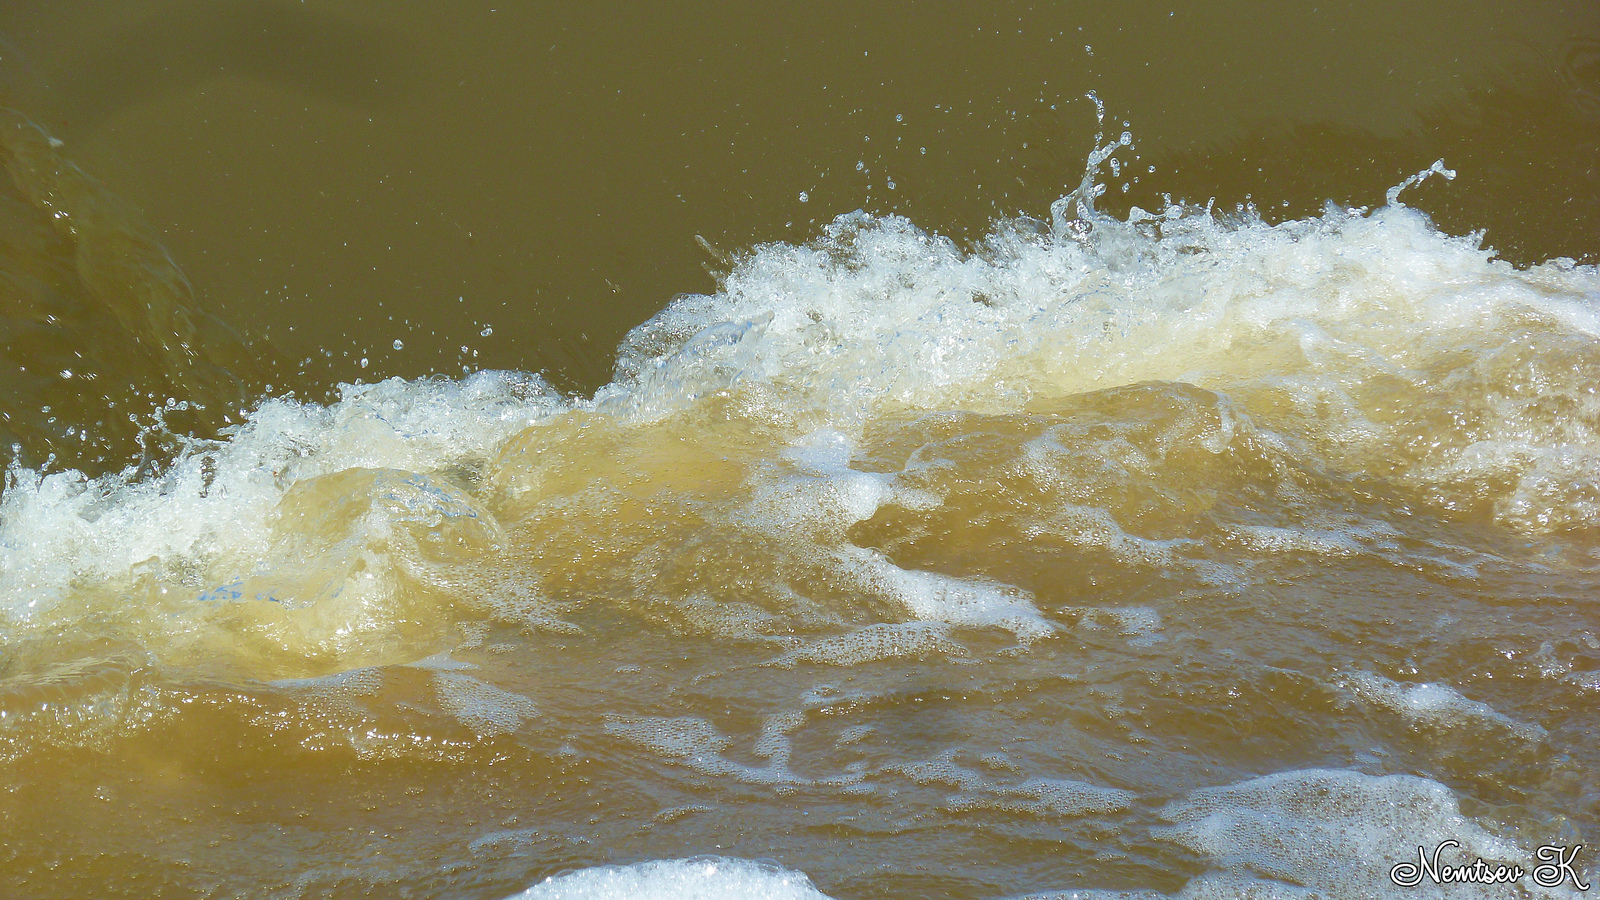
(701, 879)
(1328, 832)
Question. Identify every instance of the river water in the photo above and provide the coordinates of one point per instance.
(1029, 451)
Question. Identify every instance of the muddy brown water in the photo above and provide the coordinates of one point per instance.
(365, 536)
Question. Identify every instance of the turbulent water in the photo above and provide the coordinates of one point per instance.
(1181, 555)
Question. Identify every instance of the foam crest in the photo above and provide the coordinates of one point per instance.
(301, 505)
(1376, 341)
(682, 879)
(63, 526)
(1140, 623)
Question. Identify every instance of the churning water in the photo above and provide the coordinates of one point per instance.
(1179, 553)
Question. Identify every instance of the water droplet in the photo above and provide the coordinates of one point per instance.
(399, 344)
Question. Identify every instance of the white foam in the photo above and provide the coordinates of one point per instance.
(486, 709)
(873, 643)
(1141, 623)
(1339, 320)
(1430, 703)
(686, 737)
(342, 692)
(695, 743)
(817, 494)
(1331, 833)
(214, 503)
(934, 597)
(315, 538)
(1050, 797)
(810, 503)
(681, 879)
(1095, 527)
(1054, 797)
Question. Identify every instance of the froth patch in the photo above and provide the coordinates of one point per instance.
(486, 709)
(1142, 624)
(809, 503)
(685, 737)
(874, 643)
(816, 494)
(682, 879)
(1048, 797)
(943, 598)
(697, 744)
(1329, 833)
(1435, 705)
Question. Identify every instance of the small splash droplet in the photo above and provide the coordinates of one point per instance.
(487, 330)
(804, 197)
(399, 344)
(363, 362)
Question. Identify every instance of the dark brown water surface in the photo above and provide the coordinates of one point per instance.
(1146, 555)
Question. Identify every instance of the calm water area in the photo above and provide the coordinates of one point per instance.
(1004, 450)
